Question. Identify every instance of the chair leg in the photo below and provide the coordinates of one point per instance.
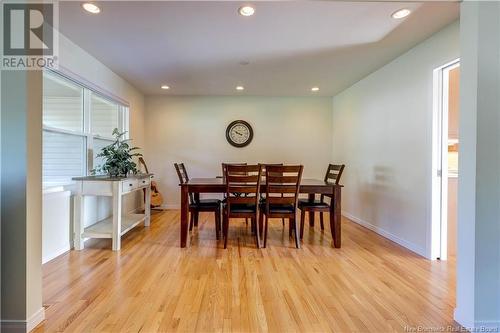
(302, 222)
(217, 224)
(246, 221)
(321, 221)
(283, 221)
(290, 232)
(196, 217)
(261, 222)
(257, 231)
(191, 221)
(296, 229)
(225, 227)
(265, 231)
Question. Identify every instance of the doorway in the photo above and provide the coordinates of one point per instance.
(445, 160)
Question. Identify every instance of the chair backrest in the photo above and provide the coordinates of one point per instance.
(333, 173)
(264, 168)
(183, 178)
(282, 184)
(224, 167)
(242, 184)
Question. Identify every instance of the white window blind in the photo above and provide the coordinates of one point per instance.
(62, 104)
(63, 157)
(76, 121)
(104, 116)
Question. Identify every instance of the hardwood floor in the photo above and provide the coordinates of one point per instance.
(152, 285)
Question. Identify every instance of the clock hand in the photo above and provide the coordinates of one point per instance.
(238, 133)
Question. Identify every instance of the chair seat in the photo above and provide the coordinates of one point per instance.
(277, 209)
(206, 203)
(242, 208)
(308, 204)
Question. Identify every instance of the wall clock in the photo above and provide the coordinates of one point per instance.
(239, 133)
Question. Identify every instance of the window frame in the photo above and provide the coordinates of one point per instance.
(86, 132)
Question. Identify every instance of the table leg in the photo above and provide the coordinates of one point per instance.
(147, 207)
(79, 220)
(312, 197)
(184, 214)
(336, 215)
(117, 216)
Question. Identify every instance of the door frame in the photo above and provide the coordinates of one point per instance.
(439, 215)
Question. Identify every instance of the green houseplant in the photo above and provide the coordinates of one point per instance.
(118, 157)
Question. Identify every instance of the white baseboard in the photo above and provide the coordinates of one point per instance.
(35, 319)
(462, 319)
(13, 326)
(487, 326)
(384, 233)
(170, 206)
(24, 326)
(56, 253)
(475, 326)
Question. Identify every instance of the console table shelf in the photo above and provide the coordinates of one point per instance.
(117, 225)
(104, 228)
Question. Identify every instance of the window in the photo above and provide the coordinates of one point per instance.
(77, 123)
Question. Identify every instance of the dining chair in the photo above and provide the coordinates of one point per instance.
(282, 193)
(263, 195)
(224, 167)
(242, 196)
(333, 174)
(197, 205)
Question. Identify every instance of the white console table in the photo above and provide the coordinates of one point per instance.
(117, 225)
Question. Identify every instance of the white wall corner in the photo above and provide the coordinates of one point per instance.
(384, 233)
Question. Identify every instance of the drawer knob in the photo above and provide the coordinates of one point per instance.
(129, 184)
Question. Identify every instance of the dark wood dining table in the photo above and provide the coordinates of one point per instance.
(307, 186)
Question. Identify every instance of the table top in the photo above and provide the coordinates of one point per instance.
(113, 179)
(220, 181)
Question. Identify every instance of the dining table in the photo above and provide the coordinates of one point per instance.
(312, 187)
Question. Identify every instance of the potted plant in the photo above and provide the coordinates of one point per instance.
(118, 157)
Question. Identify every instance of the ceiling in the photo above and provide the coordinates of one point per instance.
(200, 48)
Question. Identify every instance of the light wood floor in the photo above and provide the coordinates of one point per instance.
(152, 285)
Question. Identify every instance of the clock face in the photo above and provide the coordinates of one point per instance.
(239, 133)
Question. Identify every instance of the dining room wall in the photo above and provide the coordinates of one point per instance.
(382, 131)
(191, 129)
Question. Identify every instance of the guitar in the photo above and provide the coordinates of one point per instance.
(156, 197)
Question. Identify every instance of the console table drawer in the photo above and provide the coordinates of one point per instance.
(129, 185)
(143, 182)
(97, 188)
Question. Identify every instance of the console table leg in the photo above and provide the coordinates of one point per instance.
(147, 207)
(117, 216)
(79, 220)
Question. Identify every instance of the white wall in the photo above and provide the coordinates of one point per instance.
(56, 230)
(478, 256)
(192, 130)
(21, 131)
(382, 131)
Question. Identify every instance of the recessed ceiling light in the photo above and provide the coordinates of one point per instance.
(165, 87)
(315, 89)
(246, 11)
(401, 13)
(91, 8)
(240, 88)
